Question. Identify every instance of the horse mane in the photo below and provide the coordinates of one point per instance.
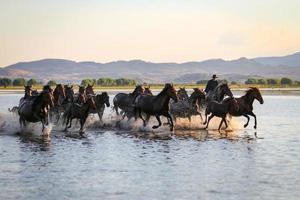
(167, 86)
(252, 89)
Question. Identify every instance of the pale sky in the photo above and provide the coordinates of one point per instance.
(152, 30)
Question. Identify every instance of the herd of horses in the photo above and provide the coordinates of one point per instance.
(63, 102)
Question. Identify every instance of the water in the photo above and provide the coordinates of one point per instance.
(134, 163)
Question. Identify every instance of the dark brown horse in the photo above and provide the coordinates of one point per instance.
(81, 112)
(35, 109)
(100, 101)
(156, 105)
(89, 90)
(219, 93)
(147, 91)
(182, 94)
(124, 101)
(246, 105)
(59, 95)
(220, 110)
(189, 106)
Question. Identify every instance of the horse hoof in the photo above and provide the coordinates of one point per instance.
(245, 125)
(154, 127)
(171, 129)
(254, 127)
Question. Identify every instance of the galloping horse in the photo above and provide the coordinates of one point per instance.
(246, 105)
(156, 105)
(89, 90)
(188, 106)
(220, 110)
(219, 93)
(100, 101)
(124, 101)
(35, 109)
(59, 99)
(80, 112)
(69, 94)
(182, 94)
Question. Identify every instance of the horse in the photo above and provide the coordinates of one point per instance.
(69, 94)
(123, 101)
(246, 105)
(80, 112)
(219, 93)
(100, 101)
(182, 94)
(36, 109)
(147, 91)
(59, 99)
(220, 110)
(156, 105)
(89, 90)
(188, 106)
(80, 97)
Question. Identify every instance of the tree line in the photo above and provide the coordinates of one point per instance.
(6, 82)
(259, 81)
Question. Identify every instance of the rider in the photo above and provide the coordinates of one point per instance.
(211, 84)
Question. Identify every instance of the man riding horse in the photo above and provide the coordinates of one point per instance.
(211, 85)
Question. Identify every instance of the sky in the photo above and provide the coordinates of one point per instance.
(151, 30)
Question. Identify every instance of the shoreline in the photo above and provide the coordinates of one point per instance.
(110, 89)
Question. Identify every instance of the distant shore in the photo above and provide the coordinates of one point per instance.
(160, 86)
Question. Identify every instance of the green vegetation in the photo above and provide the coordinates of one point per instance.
(123, 83)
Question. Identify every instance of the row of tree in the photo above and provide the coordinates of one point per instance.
(109, 82)
(5, 82)
(271, 81)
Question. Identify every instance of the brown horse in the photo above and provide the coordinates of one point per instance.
(147, 91)
(220, 110)
(219, 93)
(59, 95)
(156, 105)
(188, 106)
(100, 101)
(246, 105)
(81, 112)
(182, 94)
(125, 101)
(35, 109)
(89, 90)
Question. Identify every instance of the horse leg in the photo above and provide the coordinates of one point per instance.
(248, 119)
(201, 117)
(209, 118)
(255, 122)
(170, 120)
(159, 122)
(70, 121)
(206, 114)
(190, 118)
(66, 128)
(140, 115)
(221, 123)
(116, 108)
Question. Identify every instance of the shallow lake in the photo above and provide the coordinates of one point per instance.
(131, 162)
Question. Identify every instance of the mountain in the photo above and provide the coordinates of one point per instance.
(289, 60)
(235, 70)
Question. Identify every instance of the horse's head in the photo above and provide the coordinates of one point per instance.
(254, 91)
(28, 90)
(147, 91)
(48, 98)
(198, 95)
(69, 93)
(171, 91)
(81, 90)
(89, 89)
(225, 90)
(138, 90)
(105, 98)
(182, 93)
(60, 91)
(47, 88)
(91, 102)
